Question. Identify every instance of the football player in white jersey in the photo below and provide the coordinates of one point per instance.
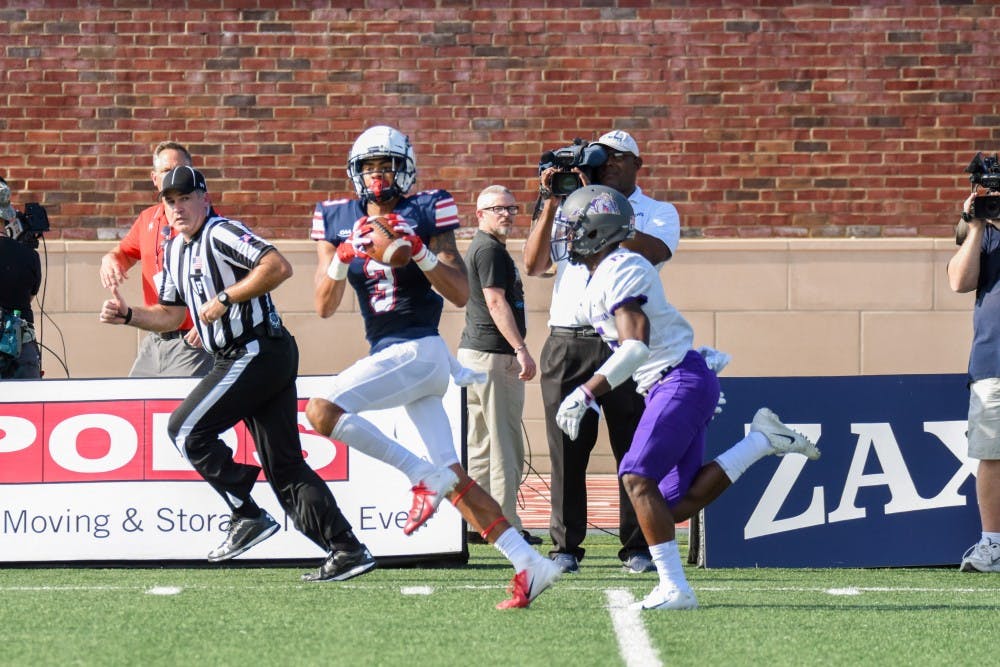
(652, 343)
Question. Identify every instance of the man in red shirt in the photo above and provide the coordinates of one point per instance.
(174, 353)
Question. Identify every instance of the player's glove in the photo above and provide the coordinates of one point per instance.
(351, 247)
(715, 359)
(573, 409)
(718, 406)
(422, 255)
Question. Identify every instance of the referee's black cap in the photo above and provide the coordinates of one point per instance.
(183, 180)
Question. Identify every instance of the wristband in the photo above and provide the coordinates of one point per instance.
(337, 269)
(128, 315)
(518, 349)
(966, 216)
(426, 260)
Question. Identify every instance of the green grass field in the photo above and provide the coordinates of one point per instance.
(445, 616)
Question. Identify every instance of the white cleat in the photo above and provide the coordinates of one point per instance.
(783, 439)
(530, 583)
(982, 557)
(427, 496)
(668, 598)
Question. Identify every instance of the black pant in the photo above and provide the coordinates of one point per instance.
(568, 361)
(255, 383)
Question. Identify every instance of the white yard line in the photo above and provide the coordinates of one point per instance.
(633, 640)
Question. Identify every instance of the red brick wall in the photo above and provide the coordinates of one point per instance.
(770, 119)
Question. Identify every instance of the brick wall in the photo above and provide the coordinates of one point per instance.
(765, 119)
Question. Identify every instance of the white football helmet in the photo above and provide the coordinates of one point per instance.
(591, 219)
(383, 141)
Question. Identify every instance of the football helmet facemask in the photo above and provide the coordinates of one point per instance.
(591, 219)
(383, 141)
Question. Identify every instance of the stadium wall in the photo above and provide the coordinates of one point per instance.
(759, 119)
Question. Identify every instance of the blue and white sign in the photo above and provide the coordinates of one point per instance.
(893, 486)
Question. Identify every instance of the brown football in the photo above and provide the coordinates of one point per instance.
(388, 246)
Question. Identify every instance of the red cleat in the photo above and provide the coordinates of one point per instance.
(530, 583)
(427, 495)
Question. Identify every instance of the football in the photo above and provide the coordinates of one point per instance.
(388, 246)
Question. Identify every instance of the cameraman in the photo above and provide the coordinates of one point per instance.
(20, 278)
(573, 351)
(976, 266)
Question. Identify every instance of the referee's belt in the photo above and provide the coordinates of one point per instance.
(170, 335)
(573, 332)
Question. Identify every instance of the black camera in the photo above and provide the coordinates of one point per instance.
(29, 226)
(985, 172)
(581, 155)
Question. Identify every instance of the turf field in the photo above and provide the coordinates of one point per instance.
(445, 616)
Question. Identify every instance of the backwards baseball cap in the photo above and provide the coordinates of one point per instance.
(7, 211)
(183, 180)
(619, 140)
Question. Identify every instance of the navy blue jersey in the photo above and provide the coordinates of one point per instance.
(397, 304)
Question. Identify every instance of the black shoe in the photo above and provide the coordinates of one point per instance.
(343, 565)
(243, 534)
(531, 539)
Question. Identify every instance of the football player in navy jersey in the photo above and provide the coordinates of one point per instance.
(409, 364)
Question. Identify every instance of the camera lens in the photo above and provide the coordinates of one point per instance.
(986, 206)
(565, 182)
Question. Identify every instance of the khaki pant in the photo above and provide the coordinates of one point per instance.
(495, 442)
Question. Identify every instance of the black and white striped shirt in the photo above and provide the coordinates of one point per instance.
(221, 254)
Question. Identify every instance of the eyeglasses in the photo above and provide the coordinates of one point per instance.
(617, 156)
(497, 210)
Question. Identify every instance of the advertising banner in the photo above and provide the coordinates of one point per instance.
(893, 486)
(88, 473)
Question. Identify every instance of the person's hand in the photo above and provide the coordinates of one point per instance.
(967, 210)
(358, 240)
(714, 359)
(115, 310)
(192, 338)
(528, 367)
(719, 405)
(420, 253)
(212, 311)
(573, 409)
(112, 272)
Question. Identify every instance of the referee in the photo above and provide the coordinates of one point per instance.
(223, 274)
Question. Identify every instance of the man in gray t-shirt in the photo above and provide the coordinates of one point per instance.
(493, 343)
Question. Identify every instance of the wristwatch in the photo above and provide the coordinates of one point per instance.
(224, 299)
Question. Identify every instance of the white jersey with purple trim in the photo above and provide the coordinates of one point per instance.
(655, 218)
(623, 277)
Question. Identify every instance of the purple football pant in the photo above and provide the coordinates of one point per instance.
(669, 443)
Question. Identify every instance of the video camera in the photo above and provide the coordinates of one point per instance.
(29, 226)
(581, 155)
(985, 172)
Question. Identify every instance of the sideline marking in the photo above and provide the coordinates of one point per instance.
(163, 590)
(416, 590)
(633, 640)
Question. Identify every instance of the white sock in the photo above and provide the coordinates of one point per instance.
(990, 537)
(365, 437)
(735, 460)
(667, 558)
(512, 545)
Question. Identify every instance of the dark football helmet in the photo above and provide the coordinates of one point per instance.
(383, 141)
(591, 219)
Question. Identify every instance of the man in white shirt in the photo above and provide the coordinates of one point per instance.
(573, 351)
